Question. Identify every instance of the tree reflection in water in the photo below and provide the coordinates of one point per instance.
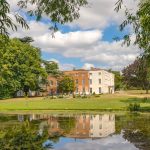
(22, 137)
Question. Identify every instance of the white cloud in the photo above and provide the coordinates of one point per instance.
(87, 66)
(100, 13)
(88, 44)
(63, 66)
(115, 142)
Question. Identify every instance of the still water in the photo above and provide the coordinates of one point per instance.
(75, 132)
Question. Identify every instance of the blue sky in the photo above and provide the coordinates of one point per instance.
(86, 42)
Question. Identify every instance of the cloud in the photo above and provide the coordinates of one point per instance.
(87, 66)
(115, 142)
(63, 66)
(100, 14)
(86, 45)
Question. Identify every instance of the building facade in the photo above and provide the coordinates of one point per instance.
(81, 79)
(91, 81)
(101, 81)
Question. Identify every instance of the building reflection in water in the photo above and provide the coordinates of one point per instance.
(80, 126)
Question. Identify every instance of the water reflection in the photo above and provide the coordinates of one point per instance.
(82, 132)
(80, 126)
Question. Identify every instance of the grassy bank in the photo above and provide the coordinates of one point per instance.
(116, 102)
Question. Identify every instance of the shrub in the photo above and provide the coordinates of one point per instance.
(84, 96)
(144, 100)
(134, 107)
(60, 96)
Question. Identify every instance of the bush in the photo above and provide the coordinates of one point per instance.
(85, 96)
(134, 107)
(60, 96)
(144, 100)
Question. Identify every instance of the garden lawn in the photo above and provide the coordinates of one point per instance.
(104, 102)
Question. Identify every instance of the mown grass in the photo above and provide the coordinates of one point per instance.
(114, 102)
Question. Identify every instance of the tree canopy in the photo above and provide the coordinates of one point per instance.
(52, 68)
(137, 74)
(20, 65)
(66, 85)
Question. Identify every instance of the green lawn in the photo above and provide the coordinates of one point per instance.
(104, 102)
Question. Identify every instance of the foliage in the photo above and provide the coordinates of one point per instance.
(118, 80)
(58, 11)
(20, 67)
(52, 68)
(140, 22)
(6, 21)
(66, 124)
(66, 85)
(21, 137)
(137, 74)
(26, 39)
(134, 107)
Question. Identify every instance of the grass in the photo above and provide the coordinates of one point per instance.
(115, 102)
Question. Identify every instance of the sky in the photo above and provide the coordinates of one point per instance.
(86, 42)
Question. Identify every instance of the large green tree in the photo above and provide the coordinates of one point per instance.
(66, 85)
(62, 11)
(137, 74)
(20, 68)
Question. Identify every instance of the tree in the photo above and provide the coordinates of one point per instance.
(118, 80)
(20, 65)
(66, 85)
(137, 74)
(24, 136)
(26, 39)
(140, 22)
(62, 11)
(52, 68)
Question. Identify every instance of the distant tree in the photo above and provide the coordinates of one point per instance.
(52, 68)
(118, 80)
(66, 85)
(137, 74)
(26, 39)
(20, 68)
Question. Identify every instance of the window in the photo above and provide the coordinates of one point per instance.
(83, 82)
(76, 81)
(76, 74)
(91, 126)
(100, 126)
(91, 90)
(51, 82)
(90, 81)
(99, 81)
(100, 91)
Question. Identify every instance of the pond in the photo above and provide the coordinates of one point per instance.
(107, 131)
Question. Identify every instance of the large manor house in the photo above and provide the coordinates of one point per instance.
(91, 81)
